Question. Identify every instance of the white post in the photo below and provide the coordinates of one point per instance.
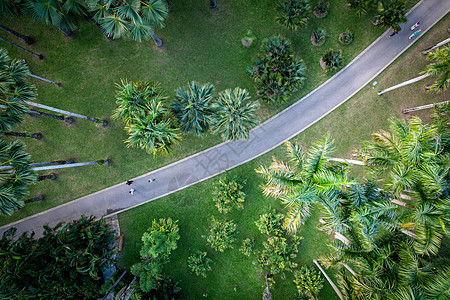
(336, 290)
(403, 84)
(436, 46)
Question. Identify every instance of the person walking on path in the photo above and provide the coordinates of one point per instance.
(415, 25)
(131, 191)
(415, 33)
(129, 182)
(151, 179)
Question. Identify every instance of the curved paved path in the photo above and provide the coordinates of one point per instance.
(263, 138)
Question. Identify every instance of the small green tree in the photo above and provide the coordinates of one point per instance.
(160, 239)
(229, 193)
(199, 263)
(391, 14)
(308, 282)
(149, 273)
(279, 253)
(221, 234)
(270, 223)
(294, 13)
(234, 114)
(247, 246)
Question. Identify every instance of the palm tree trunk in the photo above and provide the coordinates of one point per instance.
(408, 110)
(436, 46)
(349, 269)
(403, 84)
(103, 122)
(348, 161)
(51, 176)
(24, 38)
(52, 163)
(37, 136)
(114, 285)
(99, 162)
(31, 112)
(336, 290)
(157, 40)
(107, 36)
(46, 80)
(38, 198)
(212, 3)
(15, 45)
(267, 295)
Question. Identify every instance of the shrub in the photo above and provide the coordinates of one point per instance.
(346, 37)
(247, 246)
(199, 263)
(149, 273)
(276, 72)
(278, 254)
(160, 239)
(294, 13)
(332, 59)
(319, 35)
(322, 8)
(308, 282)
(221, 234)
(270, 223)
(229, 194)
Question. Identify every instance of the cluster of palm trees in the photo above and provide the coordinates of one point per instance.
(390, 236)
(134, 19)
(389, 13)
(153, 127)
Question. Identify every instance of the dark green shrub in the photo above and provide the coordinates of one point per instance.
(319, 35)
(221, 234)
(333, 60)
(229, 194)
(199, 263)
(346, 37)
(308, 282)
(294, 13)
(160, 239)
(278, 254)
(322, 8)
(247, 246)
(270, 223)
(276, 72)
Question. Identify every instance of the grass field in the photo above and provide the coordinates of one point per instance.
(350, 124)
(200, 44)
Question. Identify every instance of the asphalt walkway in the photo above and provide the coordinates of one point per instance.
(263, 138)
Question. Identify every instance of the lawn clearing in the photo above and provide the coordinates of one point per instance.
(200, 44)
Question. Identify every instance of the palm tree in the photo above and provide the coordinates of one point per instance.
(440, 65)
(362, 6)
(295, 13)
(391, 14)
(153, 130)
(10, 8)
(14, 90)
(14, 180)
(308, 179)
(134, 97)
(412, 158)
(134, 19)
(54, 12)
(192, 107)
(233, 114)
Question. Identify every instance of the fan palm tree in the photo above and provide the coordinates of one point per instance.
(134, 97)
(14, 90)
(233, 114)
(9, 8)
(130, 18)
(391, 14)
(362, 6)
(13, 181)
(308, 179)
(153, 130)
(440, 65)
(192, 107)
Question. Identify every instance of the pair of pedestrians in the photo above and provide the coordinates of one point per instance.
(129, 182)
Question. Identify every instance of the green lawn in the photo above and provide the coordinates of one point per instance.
(200, 44)
(350, 124)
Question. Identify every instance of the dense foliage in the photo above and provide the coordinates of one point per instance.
(229, 194)
(149, 124)
(247, 246)
(192, 107)
(65, 263)
(158, 243)
(234, 114)
(333, 60)
(308, 282)
(199, 263)
(439, 65)
(221, 234)
(276, 72)
(294, 13)
(270, 223)
(391, 14)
